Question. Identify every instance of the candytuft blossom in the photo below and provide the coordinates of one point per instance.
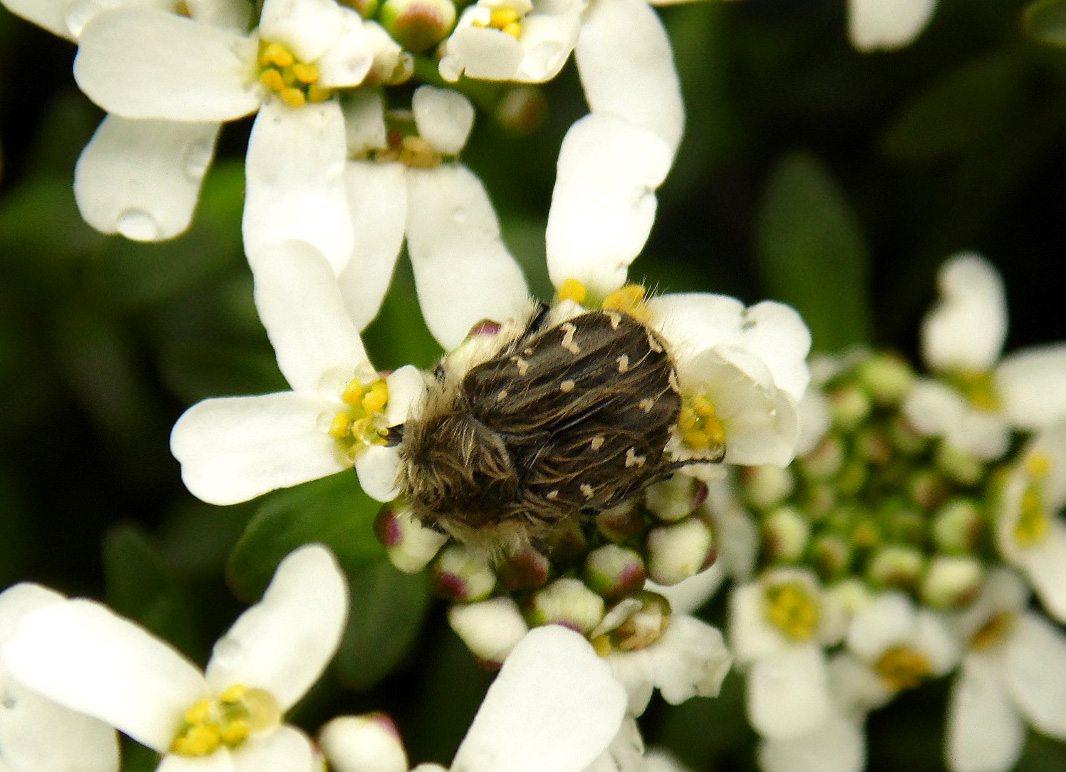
(887, 24)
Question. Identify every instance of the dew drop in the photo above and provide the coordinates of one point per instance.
(324, 421)
(197, 159)
(138, 225)
(459, 215)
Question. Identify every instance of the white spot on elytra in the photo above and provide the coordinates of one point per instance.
(568, 338)
(646, 404)
(566, 386)
(632, 459)
(552, 495)
(653, 344)
(522, 365)
(616, 319)
(597, 442)
(587, 490)
(502, 395)
(623, 363)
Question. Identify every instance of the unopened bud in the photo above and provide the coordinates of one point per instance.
(951, 581)
(409, 544)
(825, 460)
(461, 574)
(526, 569)
(367, 742)
(850, 406)
(928, 489)
(490, 628)
(522, 109)
(962, 467)
(887, 377)
(785, 534)
(958, 526)
(832, 555)
(676, 497)
(895, 565)
(852, 594)
(679, 550)
(567, 602)
(614, 572)
(767, 486)
(418, 25)
(620, 523)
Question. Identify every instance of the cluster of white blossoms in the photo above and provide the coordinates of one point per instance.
(904, 542)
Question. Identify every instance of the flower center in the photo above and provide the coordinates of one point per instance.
(295, 82)
(791, 609)
(505, 18)
(361, 424)
(226, 720)
(699, 424)
(903, 667)
(1032, 526)
(979, 388)
(992, 632)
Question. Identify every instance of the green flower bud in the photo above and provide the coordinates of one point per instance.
(614, 572)
(951, 581)
(767, 486)
(461, 574)
(850, 406)
(958, 526)
(895, 565)
(888, 377)
(567, 602)
(785, 534)
(418, 25)
(959, 465)
(675, 497)
(680, 550)
(825, 460)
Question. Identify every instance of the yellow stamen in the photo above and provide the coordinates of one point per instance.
(198, 713)
(318, 94)
(276, 55)
(362, 423)
(630, 299)
(979, 387)
(272, 80)
(903, 667)
(227, 720)
(572, 289)
(790, 608)
(198, 741)
(992, 632)
(376, 398)
(418, 153)
(353, 392)
(305, 73)
(235, 733)
(1038, 465)
(602, 645)
(294, 82)
(233, 695)
(514, 29)
(293, 97)
(699, 424)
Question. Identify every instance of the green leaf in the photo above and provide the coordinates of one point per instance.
(1045, 20)
(387, 611)
(812, 252)
(195, 370)
(141, 586)
(959, 111)
(333, 511)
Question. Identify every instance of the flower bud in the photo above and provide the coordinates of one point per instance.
(418, 25)
(642, 626)
(785, 534)
(462, 575)
(850, 406)
(895, 565)
(409, 544)
(567, 602)
(489, 628)
(676, 497)
(887, 377)
(825, 460)
(368, 742)
(767, 486)
(526, 569)
(614, 572)
(958, 526)
(928, 489)
(621, 523)
(679, 550)
(852, 594)
(832, 555)
(951, 581)
(523, 109)
(960, 466)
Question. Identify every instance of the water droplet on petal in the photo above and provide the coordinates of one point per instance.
(459, 215)
(324, 421)
(226, 652)
(197, 159)
(138, 225)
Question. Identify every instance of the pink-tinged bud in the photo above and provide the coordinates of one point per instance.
(368, 742)
(679, 550)
(566, 602)
(615, 572)
(622, 523)
(676, 497)
(409, 544)
(462, 575)
(418, 25)
(484, 327)
(527, 569)
(489, 628)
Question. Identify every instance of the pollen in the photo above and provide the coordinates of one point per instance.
(362, 422)
(623, 363)
(646, 404)
(566, 386)
(587, 490)
(572, 289)
(292, 81)
(569, 330)
(791, 609)
(505, 19)
(225, 721)
(597, 443)
(699, 424)
(522, 365)
(629, 299)
(903, 667)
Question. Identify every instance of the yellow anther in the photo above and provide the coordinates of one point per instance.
(903, 667)
(276, 55)
(791, 609)
(293, 97)
(572, 289)
(699, 424)
(514, 29)
(1038, 465)
(198, 740)
(993, 631)
(272, 80)
(198, 713)
(353, 392)
(376, 399)
(227, 720)
(233, 695)
(979, 387)
(1032, 526)
(318, 94)
(305, 73)
(629, 298)
(235, 733)
(418, 153)
(502, 16)
(602, 645)
(340, 426)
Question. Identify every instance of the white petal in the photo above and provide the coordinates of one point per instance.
(364, 121)
(141, 63)
(406, 387)
(553, 708)
(777, 334)
(38, 735)
(690, 594)
(480, 52)
(295, 181)
(444, 118)
(283, 750)
(377, 198)
(141, 178)
(937, 410)
(20, 600)
(966, 328)
(302, 309)
(463, 271)
(1034, 673)
(934, 639)
(887, 24)
(626, 64)
(49, 14)
(788, 692)
(490, 628)
(695, 321)
(1045, 567)
(284, 642)
(984, 731)
(220, 761)
(603, 204)
(690, 660)
(838, 745)
(87, 658)
(233, 449)
(1032, 385)
(348, 60)
(378, 468)
(367, 743)
(231, 14)
(750, 633)
(306, 27)
(889, 620)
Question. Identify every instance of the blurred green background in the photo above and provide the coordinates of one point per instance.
(810, 173)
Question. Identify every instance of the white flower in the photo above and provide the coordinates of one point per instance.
(141, 63)
(837, 744)
(779, 627)
(140, 178)
(688, 659)
(1013, 672)
(887, 24)
(84, 656)
(463, 271)
(36, 734)
(235, 448)
(628, 754)
(979, 397)
(554, 707)
(1029, 534)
